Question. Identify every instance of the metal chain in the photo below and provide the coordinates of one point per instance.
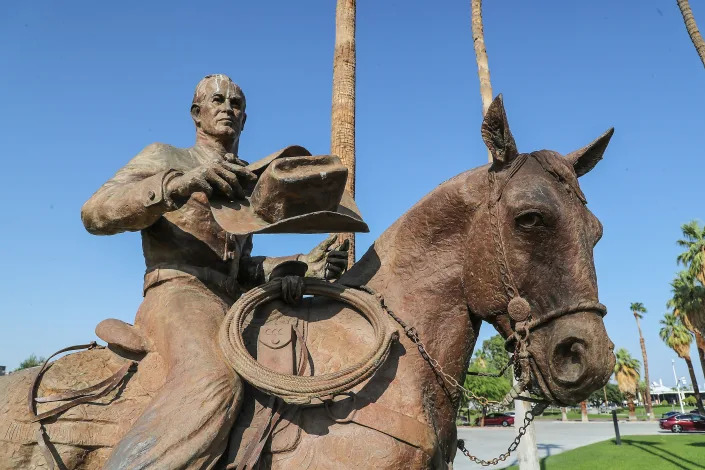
(413, 335)
(528, 418)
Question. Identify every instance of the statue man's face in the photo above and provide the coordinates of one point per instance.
(221, 111)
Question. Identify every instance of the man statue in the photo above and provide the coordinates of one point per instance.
(195, 272)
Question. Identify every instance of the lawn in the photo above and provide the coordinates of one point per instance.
(664, 451)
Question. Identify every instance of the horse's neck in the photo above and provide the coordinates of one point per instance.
(417, 265)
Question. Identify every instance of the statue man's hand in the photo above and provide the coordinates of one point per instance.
(223, 176)
(327, 261)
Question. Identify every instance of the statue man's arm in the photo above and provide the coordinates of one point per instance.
(134, 198)
(328, 260)
(255, 270)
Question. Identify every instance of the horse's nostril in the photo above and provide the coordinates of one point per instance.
(577, 349)
(568, 361)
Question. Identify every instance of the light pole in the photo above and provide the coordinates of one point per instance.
(678, 386)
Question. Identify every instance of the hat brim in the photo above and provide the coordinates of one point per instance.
(239, 218)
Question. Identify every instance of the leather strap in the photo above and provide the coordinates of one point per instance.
(77, 397)
(110, 384)
(253, 452)
(84, 391)
(404, 428)
(275, 350)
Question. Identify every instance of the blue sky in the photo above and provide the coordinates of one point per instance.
(86, 85)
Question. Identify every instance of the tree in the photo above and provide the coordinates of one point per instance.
(693, 258)
(483, 66)
(31, 361)
(626, 371)
(639, 310)
(688, 302)
(583, 411)
(342, 140)
(610, 390)
(490, 359)
(677, 337)
(692, 28)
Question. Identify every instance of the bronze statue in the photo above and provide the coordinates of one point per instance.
(509, 243)
(195, 271)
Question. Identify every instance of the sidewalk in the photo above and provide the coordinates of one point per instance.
(553, 437)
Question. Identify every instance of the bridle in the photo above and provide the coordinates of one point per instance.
(519, 309)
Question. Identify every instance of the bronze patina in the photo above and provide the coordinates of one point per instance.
(509, 243)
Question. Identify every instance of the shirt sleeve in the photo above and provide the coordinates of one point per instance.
(135, 197)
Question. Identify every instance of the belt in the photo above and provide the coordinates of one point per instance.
(212, 278)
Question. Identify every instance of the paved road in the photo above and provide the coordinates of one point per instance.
(553, 437)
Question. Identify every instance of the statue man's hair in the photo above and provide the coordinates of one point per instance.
(200, 94)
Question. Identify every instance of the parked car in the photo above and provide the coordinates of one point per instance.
(695, 412)
(497, 419)
(683, 422)
(669, 414)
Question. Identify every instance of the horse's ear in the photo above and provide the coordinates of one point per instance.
(586, 158)
(497, 136)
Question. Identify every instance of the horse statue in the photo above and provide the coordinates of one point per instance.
(510, 243)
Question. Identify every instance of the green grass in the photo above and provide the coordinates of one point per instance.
(664, 451)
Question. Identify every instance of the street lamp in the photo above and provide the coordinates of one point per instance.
(678, 385)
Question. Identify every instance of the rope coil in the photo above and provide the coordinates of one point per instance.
(301, 390)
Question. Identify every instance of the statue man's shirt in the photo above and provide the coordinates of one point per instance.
(134, 199)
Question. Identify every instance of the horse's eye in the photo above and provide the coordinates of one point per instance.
(530, 219)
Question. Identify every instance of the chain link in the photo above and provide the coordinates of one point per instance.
(413, 335)
(528, 418)
(536, 410)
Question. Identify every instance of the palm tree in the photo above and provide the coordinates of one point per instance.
(483, 67)
(583, 411)
(692, 28)
(342, 141)
(626, 371)
(639, 310)
(693, 258)
(677, 337)
(688, 302)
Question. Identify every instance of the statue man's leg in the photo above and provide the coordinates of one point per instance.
(186, 425)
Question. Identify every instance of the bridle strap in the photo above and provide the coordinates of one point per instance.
(583, 306)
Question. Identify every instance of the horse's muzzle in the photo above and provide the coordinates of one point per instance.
(574, 357)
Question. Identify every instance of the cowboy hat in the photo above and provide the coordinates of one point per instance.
(295, 193)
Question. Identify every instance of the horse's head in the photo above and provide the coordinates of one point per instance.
(531, 272)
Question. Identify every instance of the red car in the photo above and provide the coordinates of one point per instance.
(683, 422)
(497, 419)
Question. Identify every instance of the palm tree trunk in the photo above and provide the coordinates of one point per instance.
(564, 414)
(700, 345)
(647, 393)
(342, 140)
(694, 381)
(483, 67)
(692, 28)
(632, 408)
(583, 411)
